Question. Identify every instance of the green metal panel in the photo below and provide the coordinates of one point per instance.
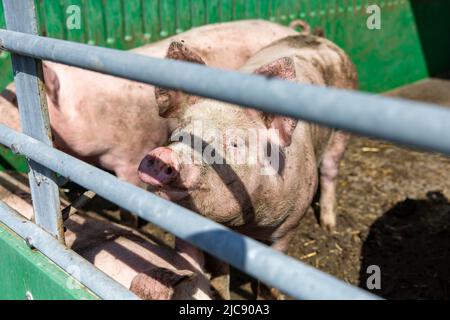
(226, 9)
(167, 18)
(77, 35)
(379, 54)
(433, 25)
(198, 13)
(24, 270)
(9, 161)
(410, 46)
(213, 11)
(152, 27)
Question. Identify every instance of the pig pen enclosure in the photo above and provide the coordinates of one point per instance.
(393, 201)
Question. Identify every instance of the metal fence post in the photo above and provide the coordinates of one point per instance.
(28, 74)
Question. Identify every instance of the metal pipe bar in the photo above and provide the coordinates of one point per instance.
(274, 268)
(97, 281)
(28, 76)
(411, 123)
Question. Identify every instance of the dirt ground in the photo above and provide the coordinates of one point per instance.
(393, 212)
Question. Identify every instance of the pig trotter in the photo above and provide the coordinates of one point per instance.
(159, 283)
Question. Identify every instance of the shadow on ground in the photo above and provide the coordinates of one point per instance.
(411, 245)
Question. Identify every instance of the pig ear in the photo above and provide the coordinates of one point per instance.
(167, 99)
(283, 68)
(282, 127)
(179, 51)
(51, 84)
(159, 283)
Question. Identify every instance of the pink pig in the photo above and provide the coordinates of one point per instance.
(151, 270)
(245, 196)
(265, 195)
(114, 122)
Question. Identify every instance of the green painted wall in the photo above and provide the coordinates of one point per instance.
(385, 58)
(24, 270)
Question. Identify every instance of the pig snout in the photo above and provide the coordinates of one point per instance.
(159, 168)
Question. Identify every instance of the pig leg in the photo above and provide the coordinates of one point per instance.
(263, 291)
(328, 177)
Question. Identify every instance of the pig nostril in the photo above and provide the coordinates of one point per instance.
(151, 162)
(169, 170)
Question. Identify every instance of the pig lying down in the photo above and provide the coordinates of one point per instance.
(266, 196)
(150, 270)
(113, 122)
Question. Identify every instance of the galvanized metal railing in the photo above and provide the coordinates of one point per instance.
(248, 255)
(415, 124)
(411, 123)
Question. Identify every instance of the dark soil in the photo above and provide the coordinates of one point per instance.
(394, 213)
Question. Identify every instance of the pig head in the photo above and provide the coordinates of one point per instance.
(252, 171)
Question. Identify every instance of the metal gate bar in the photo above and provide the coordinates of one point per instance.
(34, 118)
(98, 282)
(411, 123)
(274, 268)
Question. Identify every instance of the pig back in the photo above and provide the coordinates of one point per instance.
(224, 45)
(318, 61)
